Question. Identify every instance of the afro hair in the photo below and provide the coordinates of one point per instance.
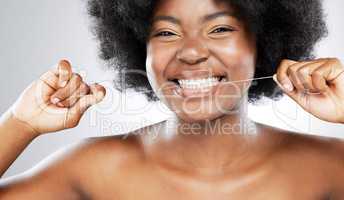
(284, 29)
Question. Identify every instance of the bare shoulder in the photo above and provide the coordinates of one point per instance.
(321, 158)
(327, 146)
(88, 165)
(111, 154)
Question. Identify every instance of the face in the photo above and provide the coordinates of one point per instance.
(196, 49)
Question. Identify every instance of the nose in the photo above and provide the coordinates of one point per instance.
(193, 52)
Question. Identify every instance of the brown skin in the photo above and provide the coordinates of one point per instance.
(195, 160)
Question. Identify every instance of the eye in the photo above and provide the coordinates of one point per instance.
(222, 29)
(164, 34)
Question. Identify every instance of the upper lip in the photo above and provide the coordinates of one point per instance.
(195, 74)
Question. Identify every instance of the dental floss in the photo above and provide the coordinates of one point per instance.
(237, 81)
(251, 79)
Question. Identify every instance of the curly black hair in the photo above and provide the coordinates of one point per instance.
(284, 29)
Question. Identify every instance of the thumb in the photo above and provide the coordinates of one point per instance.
(297, 96)
(97, 94)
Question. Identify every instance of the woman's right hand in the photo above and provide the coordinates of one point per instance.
(56, 101)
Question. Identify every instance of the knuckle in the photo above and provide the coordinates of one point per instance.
(335, 61)
(101, 88)
(84, 89)
(295, 81)
(322, 60)
(299, 85)
(279, 74)
(317, 73)
(84, 86)
(284, 62)
(77, 77)
(304, 71)
(302, 80)
(291, 70)
(294, 68)
(287, 62)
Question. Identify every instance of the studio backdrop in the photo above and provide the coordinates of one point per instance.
(35, 35)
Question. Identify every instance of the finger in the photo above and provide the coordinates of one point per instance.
(327, 74)
(50, 78)
(304, 74)
(319, 80)
(65, 73)
(77, 110)
(97, 93)
(282, 77)
(333, 68)
(83, 90)
(297, 96)
(63, 93)
(293, 74)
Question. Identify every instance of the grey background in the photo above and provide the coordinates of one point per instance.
(36, 34)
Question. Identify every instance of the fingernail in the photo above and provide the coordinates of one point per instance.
(55, 100)
(274, 77)
(60, 104)
(279, 84)
(99, 95)
(288, 87)
(64, 83)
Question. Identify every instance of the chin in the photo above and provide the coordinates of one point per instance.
(203, 111)
(198, 117)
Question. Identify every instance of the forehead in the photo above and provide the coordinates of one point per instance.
(190, 8)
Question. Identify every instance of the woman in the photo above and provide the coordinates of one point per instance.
(197, 54)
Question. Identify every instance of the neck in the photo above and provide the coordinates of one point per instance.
(230, 142)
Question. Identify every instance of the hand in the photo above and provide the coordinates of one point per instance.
(57, 100)
(317, 86)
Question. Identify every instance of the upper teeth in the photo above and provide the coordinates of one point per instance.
(200, 83)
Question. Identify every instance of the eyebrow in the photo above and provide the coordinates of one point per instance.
(166, 18)
(216, 15)
(204, 19)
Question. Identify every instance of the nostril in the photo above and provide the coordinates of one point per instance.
(192, 61)
(174, 80)
(192, 56)
(202, 59)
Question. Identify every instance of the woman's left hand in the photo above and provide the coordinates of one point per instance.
(316, 85)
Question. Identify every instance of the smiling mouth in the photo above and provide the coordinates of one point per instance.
(197, 87)
(198, 83)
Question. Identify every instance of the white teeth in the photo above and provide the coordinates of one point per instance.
(200, 83)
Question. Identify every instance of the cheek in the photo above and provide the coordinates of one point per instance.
(156, 66)
(238, 56)
(158, 58)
